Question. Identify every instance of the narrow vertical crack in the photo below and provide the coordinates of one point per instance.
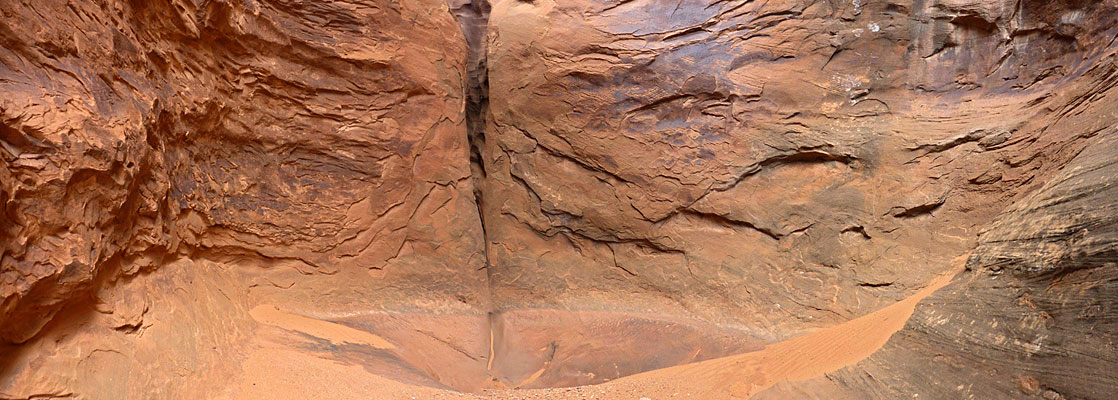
(473, 16)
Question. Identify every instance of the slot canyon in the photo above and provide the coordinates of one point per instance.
(559, 199)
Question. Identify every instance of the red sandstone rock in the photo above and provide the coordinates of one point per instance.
(176, 157)
(373, 199)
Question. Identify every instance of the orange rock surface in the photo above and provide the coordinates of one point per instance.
(570, 199)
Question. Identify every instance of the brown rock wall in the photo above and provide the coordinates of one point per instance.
(375, 199)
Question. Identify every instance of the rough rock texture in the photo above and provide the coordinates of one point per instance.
(778, 165)
(1034, 315)
(378, 199)
(199, 157)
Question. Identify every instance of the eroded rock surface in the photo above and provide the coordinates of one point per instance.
(376, 199)
(1032, 317)
(779, 165)
(306, 154)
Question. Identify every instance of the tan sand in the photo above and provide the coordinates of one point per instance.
(276, 371)
(800, 358)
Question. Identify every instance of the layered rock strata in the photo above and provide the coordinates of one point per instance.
(364, 198)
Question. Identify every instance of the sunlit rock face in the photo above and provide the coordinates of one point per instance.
(380, 199)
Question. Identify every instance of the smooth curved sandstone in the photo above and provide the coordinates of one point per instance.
(558, 199)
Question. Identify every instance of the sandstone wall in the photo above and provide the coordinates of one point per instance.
(216, 198)
(779, 165)
(168, 164)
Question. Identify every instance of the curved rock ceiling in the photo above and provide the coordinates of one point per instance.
(622, 199)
